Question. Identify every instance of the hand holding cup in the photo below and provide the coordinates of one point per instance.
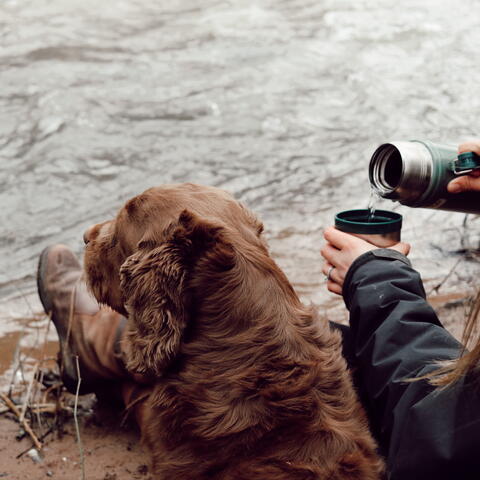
(342, 248)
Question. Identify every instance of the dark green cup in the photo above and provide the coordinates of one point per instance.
(382, 229)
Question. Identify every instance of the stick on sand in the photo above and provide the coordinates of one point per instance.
(24, 422)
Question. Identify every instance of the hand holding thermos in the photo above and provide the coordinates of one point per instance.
(418, 173)
(469, 182)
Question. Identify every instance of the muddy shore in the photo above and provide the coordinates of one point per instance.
(111, 452)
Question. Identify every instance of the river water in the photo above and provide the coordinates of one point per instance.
(280, 102)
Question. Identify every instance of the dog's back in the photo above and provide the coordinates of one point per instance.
(249, 383)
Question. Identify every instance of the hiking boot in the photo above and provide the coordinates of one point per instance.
(84, 330)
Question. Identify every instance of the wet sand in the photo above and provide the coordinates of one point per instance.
(111, 452)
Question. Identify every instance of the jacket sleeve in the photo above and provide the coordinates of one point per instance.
(423, 432)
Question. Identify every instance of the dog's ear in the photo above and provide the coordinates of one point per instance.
(154, 283)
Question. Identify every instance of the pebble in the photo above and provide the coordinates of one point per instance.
(34, 455)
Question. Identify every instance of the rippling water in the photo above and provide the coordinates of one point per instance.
(280, 102)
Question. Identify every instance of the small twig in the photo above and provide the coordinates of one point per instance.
(27, 396)
(48, 408)
(40, 380)
(49, 390)
(48, 432)
(39, 417)
(77, 428)
(24, 423)
(16, 364)
(129, 407)
(45, 337)
(437, 287)
(20, 291)
(20, 367)
(43, 405)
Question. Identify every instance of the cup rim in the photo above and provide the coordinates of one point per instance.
(393, 224)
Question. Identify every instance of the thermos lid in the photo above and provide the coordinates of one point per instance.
(357, 221)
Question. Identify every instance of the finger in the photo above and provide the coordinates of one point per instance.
(343, 240)
(332, 273)
(464, 184)
(330, 253)
(326, 267)
(334, 287)
(402, 247)
(336, 276)
(472, 146)
(337, 238)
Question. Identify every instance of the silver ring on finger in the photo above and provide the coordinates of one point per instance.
(329, 273)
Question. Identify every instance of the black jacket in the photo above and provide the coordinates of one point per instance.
(425, 433)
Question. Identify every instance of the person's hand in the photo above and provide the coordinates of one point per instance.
(341, 250)
(470, 182)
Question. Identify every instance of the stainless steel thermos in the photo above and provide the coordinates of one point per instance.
(416, 173)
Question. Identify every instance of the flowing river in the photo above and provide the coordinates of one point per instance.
(281, 102)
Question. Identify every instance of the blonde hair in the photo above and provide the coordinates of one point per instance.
(451, 371)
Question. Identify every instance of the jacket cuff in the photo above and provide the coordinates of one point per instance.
(378, 253)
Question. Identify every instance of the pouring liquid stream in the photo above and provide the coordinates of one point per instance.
(372, 204)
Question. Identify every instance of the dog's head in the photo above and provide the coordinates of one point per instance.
(147, 262)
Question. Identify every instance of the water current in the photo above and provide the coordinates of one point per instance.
(281, 102)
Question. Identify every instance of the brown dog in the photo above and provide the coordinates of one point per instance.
(249, 383)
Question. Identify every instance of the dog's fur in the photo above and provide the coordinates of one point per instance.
(249, 383)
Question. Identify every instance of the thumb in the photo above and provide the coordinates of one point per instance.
(463, 184)
(402, 247)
